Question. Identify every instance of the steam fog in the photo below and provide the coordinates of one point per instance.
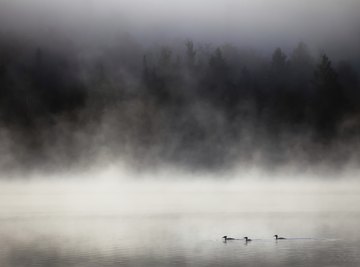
(138, 133)
(197, 85)
(113, 218)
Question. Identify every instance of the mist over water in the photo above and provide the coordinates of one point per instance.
(195, 85)
(128, 222)
(139, 133)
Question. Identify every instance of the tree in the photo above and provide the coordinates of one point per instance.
(190, 54)
(329, 98)
(348, 80)
(214, 79)
(217, 61)
(278, 72)
(302, 66)
(278, 62)
(325, 76)
(165, 60)
(347, 75)
(301, 56)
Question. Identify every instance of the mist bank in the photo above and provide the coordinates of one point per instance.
(327, 24)
(116, 192)
(191, 105)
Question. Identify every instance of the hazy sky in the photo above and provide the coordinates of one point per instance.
(329, 23)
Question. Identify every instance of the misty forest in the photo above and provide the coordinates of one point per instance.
(189, 104)
(164, 133)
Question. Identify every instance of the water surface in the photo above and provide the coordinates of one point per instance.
(157, 227)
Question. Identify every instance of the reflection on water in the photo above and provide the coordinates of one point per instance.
(52, 230)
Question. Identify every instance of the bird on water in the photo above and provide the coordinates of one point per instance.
(228, 238)
(247, 239)
(277, 237)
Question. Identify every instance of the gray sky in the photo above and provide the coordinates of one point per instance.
(330, 24)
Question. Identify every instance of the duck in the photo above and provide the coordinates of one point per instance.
(277, 237)
(247, 239)
(228, 238)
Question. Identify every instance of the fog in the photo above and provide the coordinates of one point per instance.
(263, 24)
(146, 132)
(200, 86)
(115, 192)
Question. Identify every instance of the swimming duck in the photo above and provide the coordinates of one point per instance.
(277, 237)
(228, 238)
(247, 239)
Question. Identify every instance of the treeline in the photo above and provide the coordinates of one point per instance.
(191, 105)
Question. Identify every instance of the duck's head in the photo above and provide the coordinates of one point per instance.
(276, 236)
(225, 236)
(246, 238)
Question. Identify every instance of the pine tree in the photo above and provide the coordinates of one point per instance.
(329, 98)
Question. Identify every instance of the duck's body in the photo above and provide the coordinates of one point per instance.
(247, 239)
(228, 238)
(278, 238)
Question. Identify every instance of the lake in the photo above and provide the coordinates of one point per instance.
(178, 224)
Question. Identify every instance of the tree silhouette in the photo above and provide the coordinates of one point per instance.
(348, 81)
(179, 103)
(329, 99)
(217, 81)
(278, 60)
(190, 55)
(302, 67)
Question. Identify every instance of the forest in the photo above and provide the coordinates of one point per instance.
(192, 105)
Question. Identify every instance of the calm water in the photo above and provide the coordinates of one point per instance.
(177, 228)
